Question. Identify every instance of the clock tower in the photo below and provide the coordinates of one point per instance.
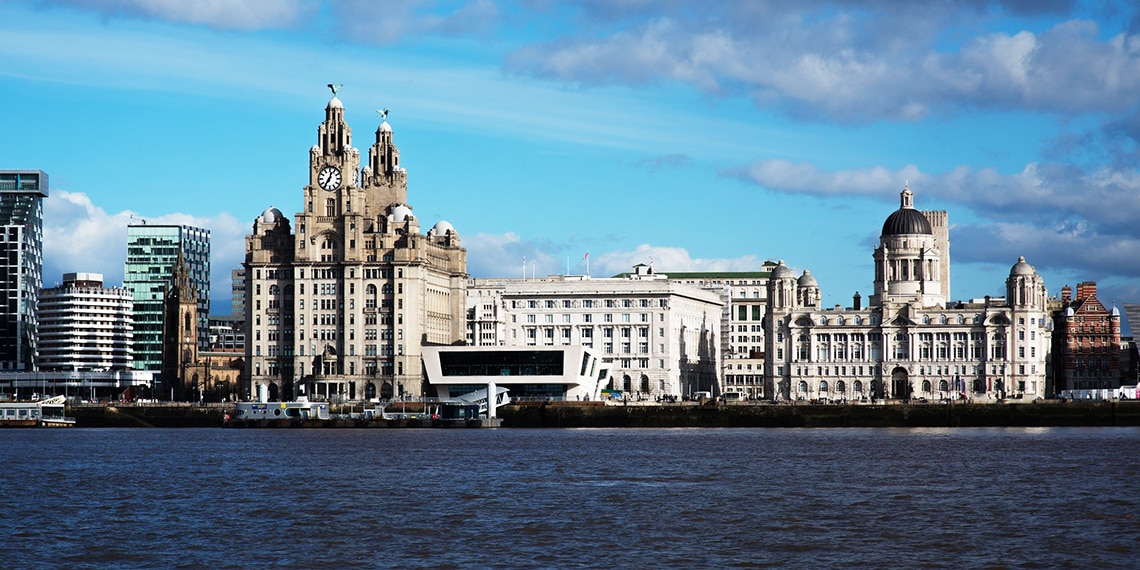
(339, 306)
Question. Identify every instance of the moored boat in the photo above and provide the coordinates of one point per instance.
(42, 413)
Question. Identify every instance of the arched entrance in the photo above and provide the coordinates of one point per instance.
(900, 383)
(274, 392)
(386, 391)
(370, 391)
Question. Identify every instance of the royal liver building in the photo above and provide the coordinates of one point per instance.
(909, 341)
(339, 304)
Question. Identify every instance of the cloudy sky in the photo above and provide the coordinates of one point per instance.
(701, 136)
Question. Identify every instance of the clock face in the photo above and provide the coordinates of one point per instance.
(329, 178)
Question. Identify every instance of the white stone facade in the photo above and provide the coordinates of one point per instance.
(909, 342)
(659, 338)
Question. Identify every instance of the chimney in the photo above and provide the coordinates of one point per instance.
(857, 302)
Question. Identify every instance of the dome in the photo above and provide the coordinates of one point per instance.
(442, 227)
(806, 280)
(384, 128)
(335, 103)
(399, 213)
(906, 221)
(1021, 268)
(271, 215)
(782, 272)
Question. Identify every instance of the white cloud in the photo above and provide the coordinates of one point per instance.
(221, 14)
(502, 256)
(1060, 216)
(80, 236)
(854, 62)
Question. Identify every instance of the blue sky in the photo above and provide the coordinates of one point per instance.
(703, 136)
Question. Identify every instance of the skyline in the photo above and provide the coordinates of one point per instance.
(707, 139)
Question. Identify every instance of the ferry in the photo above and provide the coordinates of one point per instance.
(258, 412)
(43, 413)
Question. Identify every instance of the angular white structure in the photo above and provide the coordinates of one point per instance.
(85, 326)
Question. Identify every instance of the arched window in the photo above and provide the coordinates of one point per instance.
(943, 386)
(823, 387)
(926, 385)
(370, 296)
(803, 387)
(840, 387)
(858, 386)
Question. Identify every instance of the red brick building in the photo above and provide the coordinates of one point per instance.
(1086, 341)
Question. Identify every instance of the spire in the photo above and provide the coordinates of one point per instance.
(384, 157)
(334, 134)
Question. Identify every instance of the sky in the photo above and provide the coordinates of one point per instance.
(696, 136)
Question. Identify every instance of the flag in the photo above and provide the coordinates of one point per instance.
(587, 256)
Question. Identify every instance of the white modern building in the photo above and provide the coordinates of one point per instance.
(658, 338)
(86, 326)
(910, 341)
(562, 372)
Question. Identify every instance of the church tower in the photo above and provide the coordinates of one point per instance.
(180, 331)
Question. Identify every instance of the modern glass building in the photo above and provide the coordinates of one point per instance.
(21, 264)
(151, 252)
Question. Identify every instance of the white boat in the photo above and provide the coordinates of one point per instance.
(300, 409)
(42, 413)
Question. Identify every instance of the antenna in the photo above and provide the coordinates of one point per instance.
(134, 217)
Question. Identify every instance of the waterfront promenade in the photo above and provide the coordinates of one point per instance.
(687, 414)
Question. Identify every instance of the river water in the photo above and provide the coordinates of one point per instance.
(592, 498)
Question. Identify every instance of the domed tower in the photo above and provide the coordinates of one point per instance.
(1024, 289)
(782, 301)
(807, 291)
(908, 261)
(781, 288)
(1029, 342)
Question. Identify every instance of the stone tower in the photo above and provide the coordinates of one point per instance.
(180, 332)
(339, 305)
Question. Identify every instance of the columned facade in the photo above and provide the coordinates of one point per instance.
(909, 342)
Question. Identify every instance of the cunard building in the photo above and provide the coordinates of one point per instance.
(340, 302)
(910, 341)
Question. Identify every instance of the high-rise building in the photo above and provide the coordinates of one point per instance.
(152, 250)
(21, 264)
(340, 308)
(85, 326)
